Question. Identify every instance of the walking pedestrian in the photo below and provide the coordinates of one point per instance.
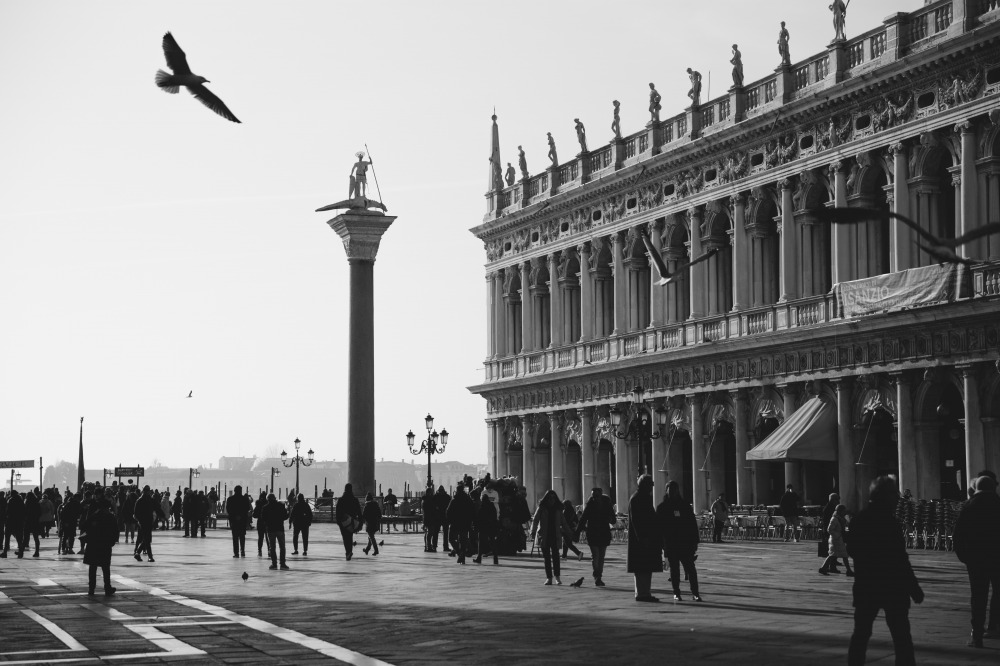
(127, 515)
(977, 545)
(302, 518)
(177, 509)
(645, 549)
(569, 513)
(788, 506)
(261, 528)
(14, 525)
(460, 514)
(239, 508)
(273, 515)
(548, 528)
(32, 524)
(443, 499)
(720, 516)
(145, 513)
(189, 510)
(823, 549)
(348, 517)
(46, 515)
(102, 534)
(487, 525)
(883, 578)
(429, 507)
(679, 528)
(69, 516)
(837, 546)
(598, 517)
(372, 515)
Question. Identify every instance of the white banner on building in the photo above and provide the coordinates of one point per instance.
(926, 285)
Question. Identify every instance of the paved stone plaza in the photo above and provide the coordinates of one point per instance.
(764, 603)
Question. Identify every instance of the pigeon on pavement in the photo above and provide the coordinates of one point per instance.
(245, 576)
(381, 543)
(578, 583)
(182, 76)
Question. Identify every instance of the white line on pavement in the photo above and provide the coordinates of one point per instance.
(67, 640)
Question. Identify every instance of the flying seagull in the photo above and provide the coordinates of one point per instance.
(661, 267)
(942, 249)
(190, 394)
(578, 583)
(182, 76)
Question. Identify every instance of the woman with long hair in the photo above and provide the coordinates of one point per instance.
(548, 527)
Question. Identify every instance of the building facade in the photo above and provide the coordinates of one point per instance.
(800, 352)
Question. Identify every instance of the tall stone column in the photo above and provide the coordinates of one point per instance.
(500, 446)
(491, 349)
(528, 458)
(789, 264)
(969, 194)
(975, 447)
(527, 329)
(491, 447)
(845, 446)
(557, 458)
(900, 257)
(743, 476)
(699, 490)
(586, 294)
(587, 458)
(697, 274)
(555, 303)
(741, 283)
(793, 470)
(906, 443)
(621, 285)
(361, 231)
(840, 245)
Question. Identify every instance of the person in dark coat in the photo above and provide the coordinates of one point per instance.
(14, 526)
(883, 577)
(238, 508)
(32, 521)
(189, 510)
(203, 507)
(443, 499)
(273, 515)
(569, 513)
(372, 515)
(258, 509)
(176, 509)
(597, 520)
(432, 524)
(644, 542)
(102, 534)
(487, 525)
(680, 538)
(460, 514)
(145, 513)
(548, 529)
(302, 518)
(348, 517)
(824, 521)
(128, 515)
(69, 516)
(977, 545)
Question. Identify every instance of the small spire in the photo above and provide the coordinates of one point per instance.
(495, 182)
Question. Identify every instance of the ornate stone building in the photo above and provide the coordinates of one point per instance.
(829, 353)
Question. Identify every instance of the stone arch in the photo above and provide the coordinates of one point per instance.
(928, 393)
(764, 261)
(880, 395)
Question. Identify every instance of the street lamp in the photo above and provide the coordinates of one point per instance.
(14, 476)
(274, 472)
(192, 475)
(297, 460)
(638, 428)
(433, 444)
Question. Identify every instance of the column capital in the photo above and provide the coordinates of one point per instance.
(583, 248)
(898, 148)
(837, 167)
(361, 232)
(738, 199)
(900, 376)
(842, 383)
(964, 127)
(785, 184)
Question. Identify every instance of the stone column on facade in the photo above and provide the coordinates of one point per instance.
(741, 284)
(500, 318)
(789, 265)
(557, 459)
(588, 461)
(992, 212)
(699, 490)
(621, 285)
(528, 458)
(968, 206)
(555, 303)
(491, 447)
(743, 475)
(527, 330)
(900, 256)
(906, 443)
(361, 231)
(491, 308)
(696, 275)
(975, 447)
(500, 446)
(586, 294)
(840, 245)
(793, 469)
(656, 293)
(845, 446)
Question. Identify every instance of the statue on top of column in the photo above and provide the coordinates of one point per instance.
(616, 121)
(581, 135)
(522, 163)
(737, 62)
(357, 193)
(839, 9)
(553, 157)
(654, 104)
(786, 58)
(511, 174)
(695, 92)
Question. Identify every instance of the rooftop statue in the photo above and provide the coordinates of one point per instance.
(552, 151)
(616, 122)
(522, 163)
(737, 62)
(839, 9)
(357, 194)
(695, 92)
(786, 58)
(511, 174)
(581, 135)
(654, 104)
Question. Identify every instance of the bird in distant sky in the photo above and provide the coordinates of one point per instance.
(245, 576)
(578, 583)
(190, 394)
(182, 76)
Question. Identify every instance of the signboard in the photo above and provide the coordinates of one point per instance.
(130, 471)
(16, 464)
(915, 287)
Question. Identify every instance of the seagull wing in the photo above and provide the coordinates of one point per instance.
(979, 232)
(176, 60)
(654, 256)
(861, 215)
(209, 99)
(945, 255)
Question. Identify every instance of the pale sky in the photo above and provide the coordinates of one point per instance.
(149, 248)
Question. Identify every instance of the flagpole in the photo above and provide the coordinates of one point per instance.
(79, 465)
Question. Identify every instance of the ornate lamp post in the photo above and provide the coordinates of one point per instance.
(434, 443)
(274, 472)
(192, 475)
(296, 460)
(638, 428)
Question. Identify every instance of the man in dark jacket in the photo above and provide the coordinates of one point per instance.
(680, 538)
(14, 526)
(977, 544)
(432, 524)
(274, 514)
(487, 524)
(69, 516)
(789, 506)
(32, 520)
(102, 534)
(176, 509)
(301, 517)
(461, 512)
(238, 508)
(442, 500)
(644, 556)
(883, 577)
(597, 519)
(145, 512)
(189, 510)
